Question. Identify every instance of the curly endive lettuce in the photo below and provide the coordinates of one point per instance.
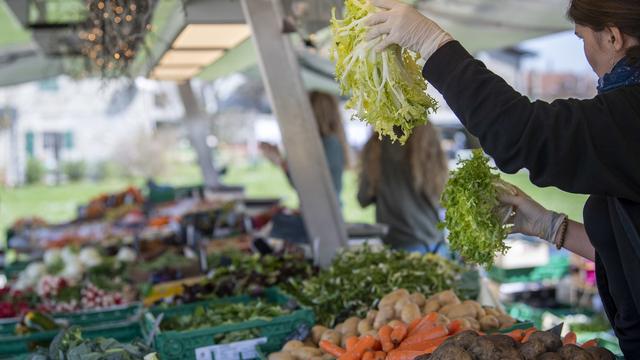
(387, 88)
(470, 198)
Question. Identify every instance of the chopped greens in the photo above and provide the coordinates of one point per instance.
(387, 88)
(470, 198)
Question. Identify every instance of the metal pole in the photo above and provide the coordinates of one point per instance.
(305, 156)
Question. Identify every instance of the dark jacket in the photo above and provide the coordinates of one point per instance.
(579, 146)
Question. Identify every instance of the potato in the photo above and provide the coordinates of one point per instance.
(448, 297)
(463, 339)
(475, 324)
(464, 323)
(383, 317)
(339, 327)
(316, 333)
(364, 325)
(532, 349)
(442, 320)
(551, 341)
(281, 356)
(480, 313)
(410, 312)
(598, 353)
(332, 336)
(505, 321)
(483, 349)
(418, 299)
(328, 357)
(476, 305)
(392, 297)
(397, 308)
(574, 352)
(502, 340)
(395, 323)
(309, 342)
(448, 352)
(371, 315)
(489, 322)
(350, 326)
(431, 306)
(462, 310)
(306, 352)
(491, 311)
(293, 344)
(343, 341)
(445, 309)
(549, 356)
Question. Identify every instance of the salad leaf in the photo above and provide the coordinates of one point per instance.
(387, 88)
(470, 198)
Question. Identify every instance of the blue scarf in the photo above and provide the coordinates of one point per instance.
(621, 75)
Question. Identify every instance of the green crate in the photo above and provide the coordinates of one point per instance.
(529, 313)
(557, 268)
(181, 345)
(15, 345)
(11, 270)
(83, 318)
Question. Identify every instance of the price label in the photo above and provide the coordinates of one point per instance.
(235, 351)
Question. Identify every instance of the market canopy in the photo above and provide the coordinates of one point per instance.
(29, 50)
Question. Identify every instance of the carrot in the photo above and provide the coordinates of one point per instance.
(351, 342)
(589, 344)
(454, 326)
(570, 338)
(403, 354)
(399, 333)
(368, 355)
(516, 334)
(426, 322)
(424, 345)
(413, 325)
(429, 334)
(331, 348)
(365, 343)
(527, 334)
(385, 338)
(379, 355)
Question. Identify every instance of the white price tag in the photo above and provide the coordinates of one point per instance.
(235, 351)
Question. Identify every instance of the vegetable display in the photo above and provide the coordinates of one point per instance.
(470, 198)
(248, 274)
(69, 344)
(356, 279)
(387, 88)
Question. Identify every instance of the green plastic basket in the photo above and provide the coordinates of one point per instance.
(181, 345)
(124, 331)
(84, 318)
(557, 268)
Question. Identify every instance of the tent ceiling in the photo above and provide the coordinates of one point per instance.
(478, 24)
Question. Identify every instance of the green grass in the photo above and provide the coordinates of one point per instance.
(59, 203)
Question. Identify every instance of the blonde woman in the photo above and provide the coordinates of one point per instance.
(327, 116)
(405, 183)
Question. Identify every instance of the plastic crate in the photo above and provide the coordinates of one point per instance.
(181, 345)
(124, 331)
(534, 315)
(84, 318)
(556, 269)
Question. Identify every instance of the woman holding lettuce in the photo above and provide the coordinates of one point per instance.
(580, 146)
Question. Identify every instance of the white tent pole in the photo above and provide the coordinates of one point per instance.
(305, 156)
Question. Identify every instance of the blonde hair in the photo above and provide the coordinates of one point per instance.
(327, 114)
(426, 160)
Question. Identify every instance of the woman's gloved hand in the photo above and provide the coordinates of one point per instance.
(405, 26)
(526, 215)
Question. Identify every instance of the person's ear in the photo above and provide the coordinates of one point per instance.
(616, 38)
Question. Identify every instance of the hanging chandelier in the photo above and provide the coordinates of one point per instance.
(113, 34)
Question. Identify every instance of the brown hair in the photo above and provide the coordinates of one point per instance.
(327, 114)
(598, 14)
(425, 157)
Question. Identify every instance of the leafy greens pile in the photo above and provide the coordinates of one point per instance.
(217, 315)
(470, 198)
(357, 279)
(69, 344)
(387, 88)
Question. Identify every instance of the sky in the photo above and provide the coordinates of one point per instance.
(560, 52)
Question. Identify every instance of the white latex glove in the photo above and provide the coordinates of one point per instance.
(527, 216)
(404, 25)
